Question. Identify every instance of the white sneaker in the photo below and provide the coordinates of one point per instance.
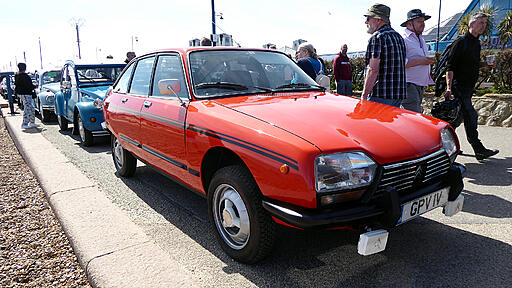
(33, 125)
(25, 126)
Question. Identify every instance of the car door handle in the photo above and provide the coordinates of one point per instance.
(147, 104)
(124, 100)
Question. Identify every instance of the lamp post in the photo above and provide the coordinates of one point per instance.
(78, 23)
(40, 54)
(438, 24)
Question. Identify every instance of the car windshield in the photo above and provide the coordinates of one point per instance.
(101, 74)
(233, 72)
(51, 77)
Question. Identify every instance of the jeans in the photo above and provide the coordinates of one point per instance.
(464, 94)
(390, 102)
(28, 110)
(344, 87)
(414, 98)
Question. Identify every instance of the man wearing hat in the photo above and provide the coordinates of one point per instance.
(463, 67)
(385, 60)
(417, 62)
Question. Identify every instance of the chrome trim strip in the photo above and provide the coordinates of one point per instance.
(284, 210)
(100, 133)
(397, 181)
(391, 166)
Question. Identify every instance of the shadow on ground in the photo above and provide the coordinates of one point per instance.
(421, 253)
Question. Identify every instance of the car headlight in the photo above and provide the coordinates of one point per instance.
(98, 103)
(347, 170)
(449, 142)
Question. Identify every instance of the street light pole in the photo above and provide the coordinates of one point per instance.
(40, 54)
(438, 24)
(213, 22)
(78, 40)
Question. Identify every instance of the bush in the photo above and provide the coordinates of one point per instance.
(502, 74)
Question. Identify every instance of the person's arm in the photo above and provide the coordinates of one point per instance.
(449, 82)
(371, 77)
(419, 61)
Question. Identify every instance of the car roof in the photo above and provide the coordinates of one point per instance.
(202, 48)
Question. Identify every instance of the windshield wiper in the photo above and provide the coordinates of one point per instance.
(300, 85)
(231, 86)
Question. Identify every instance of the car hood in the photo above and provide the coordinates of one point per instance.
(96, 91)
(336, 123)
(54, 87)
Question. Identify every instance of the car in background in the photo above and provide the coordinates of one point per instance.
(80, 99)
(47, 87)
(267, 146)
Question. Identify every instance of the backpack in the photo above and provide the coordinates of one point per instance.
(439, 75)
(321, 79)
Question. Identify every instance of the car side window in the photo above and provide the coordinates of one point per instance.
(124, 81)
(141, 79)
(169, 67)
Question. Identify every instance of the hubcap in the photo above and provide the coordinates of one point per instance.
(118, 153)
(81, 128)
(231, 216)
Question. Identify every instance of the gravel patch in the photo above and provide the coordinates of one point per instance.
(34, 251)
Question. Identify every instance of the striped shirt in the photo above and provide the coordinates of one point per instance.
(388, 46)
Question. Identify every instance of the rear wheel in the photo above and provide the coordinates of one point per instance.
(246, 232)
(124, 161)
(86, 137)
(63, 123)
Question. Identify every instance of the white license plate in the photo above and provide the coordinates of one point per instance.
(423, 204)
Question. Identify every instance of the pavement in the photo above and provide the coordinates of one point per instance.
(113, 250)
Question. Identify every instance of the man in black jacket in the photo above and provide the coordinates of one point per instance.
(463, 67)
(24, 90)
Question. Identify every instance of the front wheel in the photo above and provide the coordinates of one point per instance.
(124, 161)
(86, 137)
(246, 232)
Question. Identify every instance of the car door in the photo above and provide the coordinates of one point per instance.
(73, 95)
(65, 89)
(163, 118)
(124, 106)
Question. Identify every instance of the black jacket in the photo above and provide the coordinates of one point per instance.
(23, 84)
(464, 60)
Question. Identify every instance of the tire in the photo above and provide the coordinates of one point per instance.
(124, 161)
(46, 116)
(86, 137)
(63, 123)
(245, 231)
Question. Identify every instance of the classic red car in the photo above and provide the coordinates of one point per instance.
(266, 145)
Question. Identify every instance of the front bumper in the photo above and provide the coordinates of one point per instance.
(385, 212)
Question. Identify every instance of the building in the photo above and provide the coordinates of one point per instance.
(448, 28)
(194, 42)
(297, 43)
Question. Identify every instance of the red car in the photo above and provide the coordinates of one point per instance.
(266, 145)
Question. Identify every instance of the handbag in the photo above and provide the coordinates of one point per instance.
(449, 111)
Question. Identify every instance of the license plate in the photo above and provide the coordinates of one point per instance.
(423, 204)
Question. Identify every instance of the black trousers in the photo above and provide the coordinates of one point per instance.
(464, 94)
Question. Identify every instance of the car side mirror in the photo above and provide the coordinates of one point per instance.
(169, 87)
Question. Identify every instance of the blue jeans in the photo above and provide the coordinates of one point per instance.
(390, 102)
(344, 87)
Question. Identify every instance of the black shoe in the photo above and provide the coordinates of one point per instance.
(485, 153)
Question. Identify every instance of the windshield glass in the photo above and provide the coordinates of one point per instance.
(51, 77)
(98, 74)
(229, 72)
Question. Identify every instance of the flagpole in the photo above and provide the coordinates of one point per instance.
(438, 27)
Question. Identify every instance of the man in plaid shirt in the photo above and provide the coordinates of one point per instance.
(385, 60)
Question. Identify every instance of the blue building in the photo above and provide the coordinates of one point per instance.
(448, 28)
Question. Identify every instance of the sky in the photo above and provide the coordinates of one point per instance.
(107, 27)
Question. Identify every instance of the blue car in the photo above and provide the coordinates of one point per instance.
(83, 88)
(48, 87)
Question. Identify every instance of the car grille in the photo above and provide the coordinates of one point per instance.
(408, 175)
